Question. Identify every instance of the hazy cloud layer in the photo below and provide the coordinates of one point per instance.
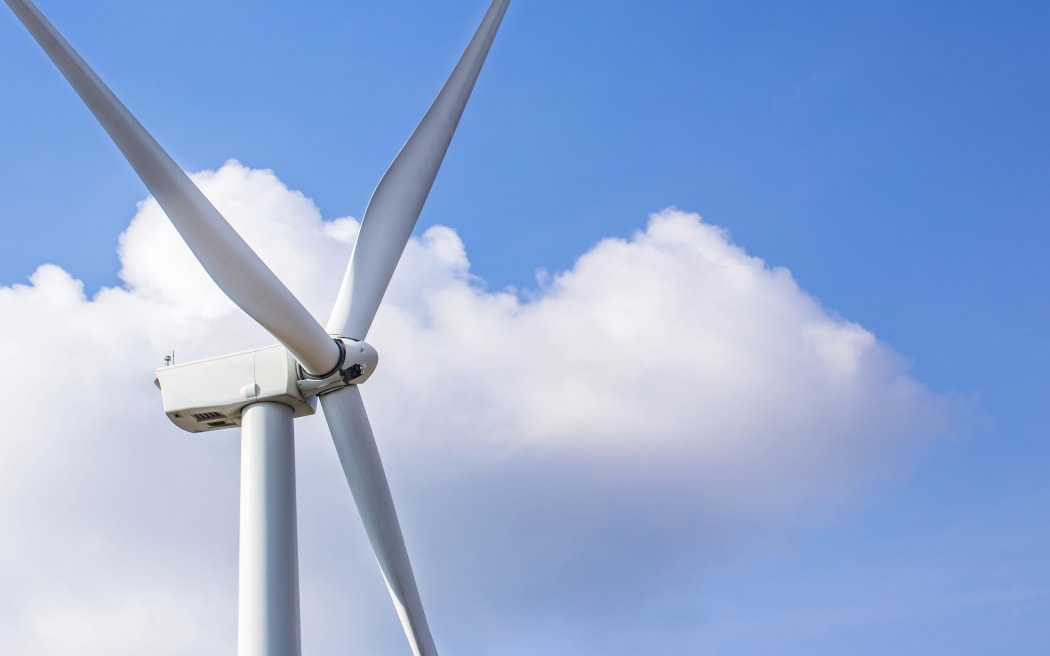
(566, 459)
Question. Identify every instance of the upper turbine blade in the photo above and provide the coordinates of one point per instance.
(356, 446)
(397, 201)
(230, 262)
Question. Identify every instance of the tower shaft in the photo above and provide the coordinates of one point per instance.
(268, 577)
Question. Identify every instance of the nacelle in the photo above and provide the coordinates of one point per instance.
(212, 394)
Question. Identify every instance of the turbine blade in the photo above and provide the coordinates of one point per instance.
(230, 262)
(397, 201)
(356, 445)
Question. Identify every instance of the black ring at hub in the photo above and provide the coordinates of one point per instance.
(338, 363)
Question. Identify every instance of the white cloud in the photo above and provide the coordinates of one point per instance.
(578, 451)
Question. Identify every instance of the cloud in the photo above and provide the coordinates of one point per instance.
(563, 457)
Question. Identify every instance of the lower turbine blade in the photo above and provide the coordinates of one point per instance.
(356, 445)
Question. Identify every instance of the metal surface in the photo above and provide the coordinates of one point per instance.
(211, 394)
(357, 364)
(356, 445)
(230, 262)
(397, 201)
(268, 577)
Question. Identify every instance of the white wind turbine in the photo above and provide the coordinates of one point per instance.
(263, 390)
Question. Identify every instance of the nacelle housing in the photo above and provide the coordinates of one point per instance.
(211, 394)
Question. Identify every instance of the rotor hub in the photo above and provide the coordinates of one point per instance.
(357, 361)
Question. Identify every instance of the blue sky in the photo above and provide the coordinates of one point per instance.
(893, 156)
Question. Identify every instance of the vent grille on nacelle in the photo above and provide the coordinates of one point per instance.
(205, 416)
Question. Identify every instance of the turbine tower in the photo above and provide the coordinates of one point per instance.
(263, 390)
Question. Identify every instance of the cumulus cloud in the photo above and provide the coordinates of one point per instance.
(562, 457)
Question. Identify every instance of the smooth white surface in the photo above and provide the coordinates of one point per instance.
(268, 578)
(230, 262)
(356, 445)
(192, 391)
(397, 201)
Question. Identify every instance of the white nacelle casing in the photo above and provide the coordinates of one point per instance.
(211, 394)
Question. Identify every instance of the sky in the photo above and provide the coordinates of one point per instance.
(723, 329)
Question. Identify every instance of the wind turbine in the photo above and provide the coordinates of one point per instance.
(263, 390)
